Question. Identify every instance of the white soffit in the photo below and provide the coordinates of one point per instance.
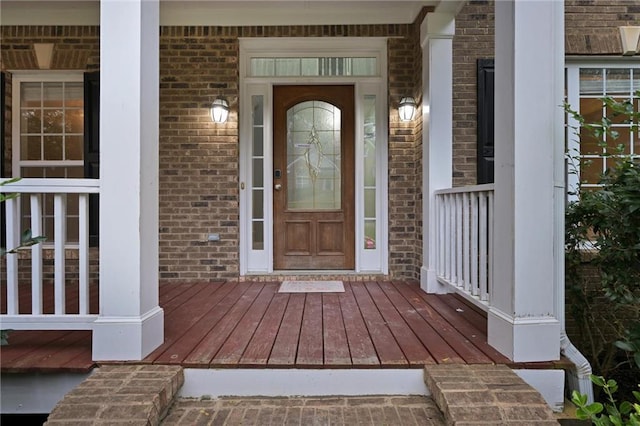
(223, 12)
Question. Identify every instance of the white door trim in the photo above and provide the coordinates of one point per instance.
(260, 261)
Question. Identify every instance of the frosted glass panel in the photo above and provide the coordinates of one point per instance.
(369, 141)
(316, 67)
(263, 67)
(258, 204)
(258, 141)
(313, 157)
(258, 235)
(369, 234)
(258, 173)
(286, 66)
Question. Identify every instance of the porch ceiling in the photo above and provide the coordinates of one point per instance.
(228, 13)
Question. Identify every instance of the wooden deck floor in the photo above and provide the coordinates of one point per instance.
(251, 325)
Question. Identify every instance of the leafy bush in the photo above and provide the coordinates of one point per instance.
(609, 413)
(603, 237)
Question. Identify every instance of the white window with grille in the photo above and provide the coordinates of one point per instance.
(47, 138)
(587, 84)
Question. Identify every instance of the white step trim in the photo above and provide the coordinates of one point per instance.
(301, 382)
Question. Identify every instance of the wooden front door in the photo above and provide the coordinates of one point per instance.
(313, 176)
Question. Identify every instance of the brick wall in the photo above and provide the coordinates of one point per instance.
(591, 28)
(199, 159)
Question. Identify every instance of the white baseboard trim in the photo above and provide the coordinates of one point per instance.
(35, 393)
(550, 384)
(301, 382)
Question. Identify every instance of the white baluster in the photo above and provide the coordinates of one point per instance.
(36, 255)
(60, 236)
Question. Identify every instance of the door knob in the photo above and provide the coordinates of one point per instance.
(277, 187)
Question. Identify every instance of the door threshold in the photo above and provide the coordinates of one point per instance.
(342, 275)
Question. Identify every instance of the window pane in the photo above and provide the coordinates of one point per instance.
(74, 121)
(591, 170)
(287, 67)
(364, 66)
(73, 95)
(636, 79)
(262, 67)
(258, 204)
(624, 139)
(30, 121)
(74, 172)
(591, 81)
(258, 142)
(257, 235)
(53, 147)
(52, 121)
(589, 144)
(618, 81)
(31, 147)
(369, 141)
(258, 109)
(319, 66)
(369, 234)
(591, 109)
(52, 95)
(31, 95)
(258, 171)
(310, 66)
(73, 148)
(313, 156)
(370, 203)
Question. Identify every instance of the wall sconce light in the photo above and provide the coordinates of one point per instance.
(219, 110)
(407, 108)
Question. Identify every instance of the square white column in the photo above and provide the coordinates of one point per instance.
(131, 324)
(437, 33)
(529, 143)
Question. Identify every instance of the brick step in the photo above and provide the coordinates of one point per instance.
(485, 395)
(135, 394)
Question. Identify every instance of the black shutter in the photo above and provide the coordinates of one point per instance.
(3, 172)
(92, 146)
(485, 120)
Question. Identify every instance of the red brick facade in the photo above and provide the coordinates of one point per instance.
(199, 161)
(591, 28)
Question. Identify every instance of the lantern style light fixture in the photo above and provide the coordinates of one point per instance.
(219, 110)
(407, 108)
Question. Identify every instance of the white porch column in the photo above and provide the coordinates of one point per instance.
(436, 35)
(529, 142)
(131, 324)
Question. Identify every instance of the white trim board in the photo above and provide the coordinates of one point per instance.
(301, 382)
(35, 393)
(260, 260)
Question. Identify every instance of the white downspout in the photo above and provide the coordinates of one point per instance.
(577, 379)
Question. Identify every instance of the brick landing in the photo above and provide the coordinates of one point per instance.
(145, 395)
(339, 411)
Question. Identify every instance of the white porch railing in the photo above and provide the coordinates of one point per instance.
(36, 319)
(464, 240)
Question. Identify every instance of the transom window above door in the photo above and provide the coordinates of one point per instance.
(314, 67)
